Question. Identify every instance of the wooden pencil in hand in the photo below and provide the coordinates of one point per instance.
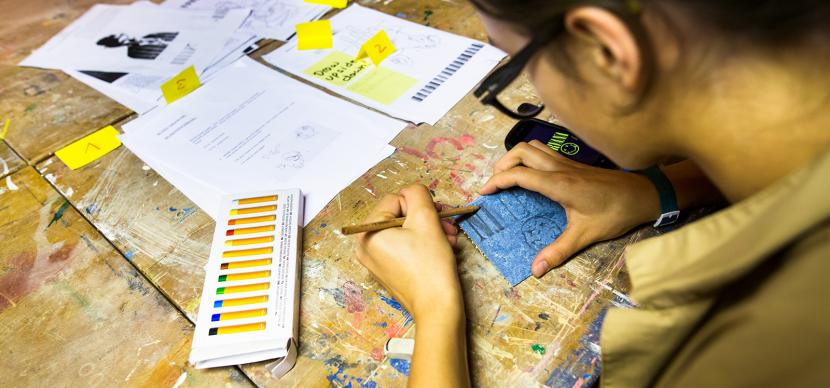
(397, 222)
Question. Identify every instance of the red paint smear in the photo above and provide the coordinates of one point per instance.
(434, 184)
(459, 183)
(377, 354)
(393, 331)
(467, 139)
(26, 273)
(369, 184)
(353, 296)
(471, 167)
(413, 152)
(478, 156)
(357, 319)
(440, 140)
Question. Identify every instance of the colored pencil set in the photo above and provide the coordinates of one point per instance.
(250, 301)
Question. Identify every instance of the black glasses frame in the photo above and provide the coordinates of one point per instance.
(502, 77)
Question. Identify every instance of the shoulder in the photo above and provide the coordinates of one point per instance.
(770, 328)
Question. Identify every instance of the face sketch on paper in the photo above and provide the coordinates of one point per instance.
(305, 132)
(294, 149)
(148, 47)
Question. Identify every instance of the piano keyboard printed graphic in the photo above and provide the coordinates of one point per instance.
(448, 72)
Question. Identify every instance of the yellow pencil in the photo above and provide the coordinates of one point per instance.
(240, 301)
(254, 210)
(248, 201)
(237, 329)
(249, 241)
(244, 276)
(258, 229)
(245, 288)
(248, 252)
(252, 220)
(237, 315)
(245, 264)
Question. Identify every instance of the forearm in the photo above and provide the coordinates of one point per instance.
(440, 358)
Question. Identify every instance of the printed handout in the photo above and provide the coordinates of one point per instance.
(422, 80)
(139, 38)
(273, 19)
(252, 127)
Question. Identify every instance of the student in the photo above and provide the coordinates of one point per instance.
(739, 88)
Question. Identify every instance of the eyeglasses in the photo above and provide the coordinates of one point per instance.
(502, 77)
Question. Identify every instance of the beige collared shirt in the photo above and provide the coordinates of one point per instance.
(740, 298)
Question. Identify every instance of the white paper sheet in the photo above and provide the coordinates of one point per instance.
(274, 19)
(445, 66)
(141, 92)
(138, 38)
(251, 126)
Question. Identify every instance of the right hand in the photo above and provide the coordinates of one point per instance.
(600, 204)
(415, 263)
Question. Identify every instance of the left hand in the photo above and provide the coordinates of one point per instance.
(600, 204)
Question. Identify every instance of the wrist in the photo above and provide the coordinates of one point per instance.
(648, 198)
(444, 309)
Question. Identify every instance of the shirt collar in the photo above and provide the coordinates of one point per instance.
(696, 260)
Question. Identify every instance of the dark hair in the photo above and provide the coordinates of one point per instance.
(109, 41)
(763, 22)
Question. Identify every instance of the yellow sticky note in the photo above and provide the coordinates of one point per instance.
(377, 48)
(90, 148)
(337, 68)
(314, 35)
(331, 3)
(5, 129)
(180, 85)
(383, 85)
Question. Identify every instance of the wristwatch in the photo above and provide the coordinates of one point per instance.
(669, 212)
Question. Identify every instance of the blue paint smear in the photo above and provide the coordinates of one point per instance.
(186, 213)
(400, 365)
(584, 363)
(340, 365)
(91, 209)
(172, 209)
(59, 214)
(511, 227)
(397, 306)
(383, 324)
(342, 378)
(129, 255)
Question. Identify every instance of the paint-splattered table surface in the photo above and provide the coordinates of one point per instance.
(101, 268)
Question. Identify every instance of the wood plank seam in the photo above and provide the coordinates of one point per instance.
(123, 255)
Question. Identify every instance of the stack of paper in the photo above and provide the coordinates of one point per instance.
(127, 51)
(251, 127)
(429, 72)
(273, 19)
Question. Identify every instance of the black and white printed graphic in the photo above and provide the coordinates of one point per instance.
(149, 46)
(141, 38)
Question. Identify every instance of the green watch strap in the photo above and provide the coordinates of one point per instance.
(669, 211)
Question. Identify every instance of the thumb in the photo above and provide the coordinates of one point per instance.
(557, 252)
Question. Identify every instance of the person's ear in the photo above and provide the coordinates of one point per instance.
(612, 45)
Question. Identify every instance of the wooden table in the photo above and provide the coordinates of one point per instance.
(101, 268)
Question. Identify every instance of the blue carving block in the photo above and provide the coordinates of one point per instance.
(511, 227)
